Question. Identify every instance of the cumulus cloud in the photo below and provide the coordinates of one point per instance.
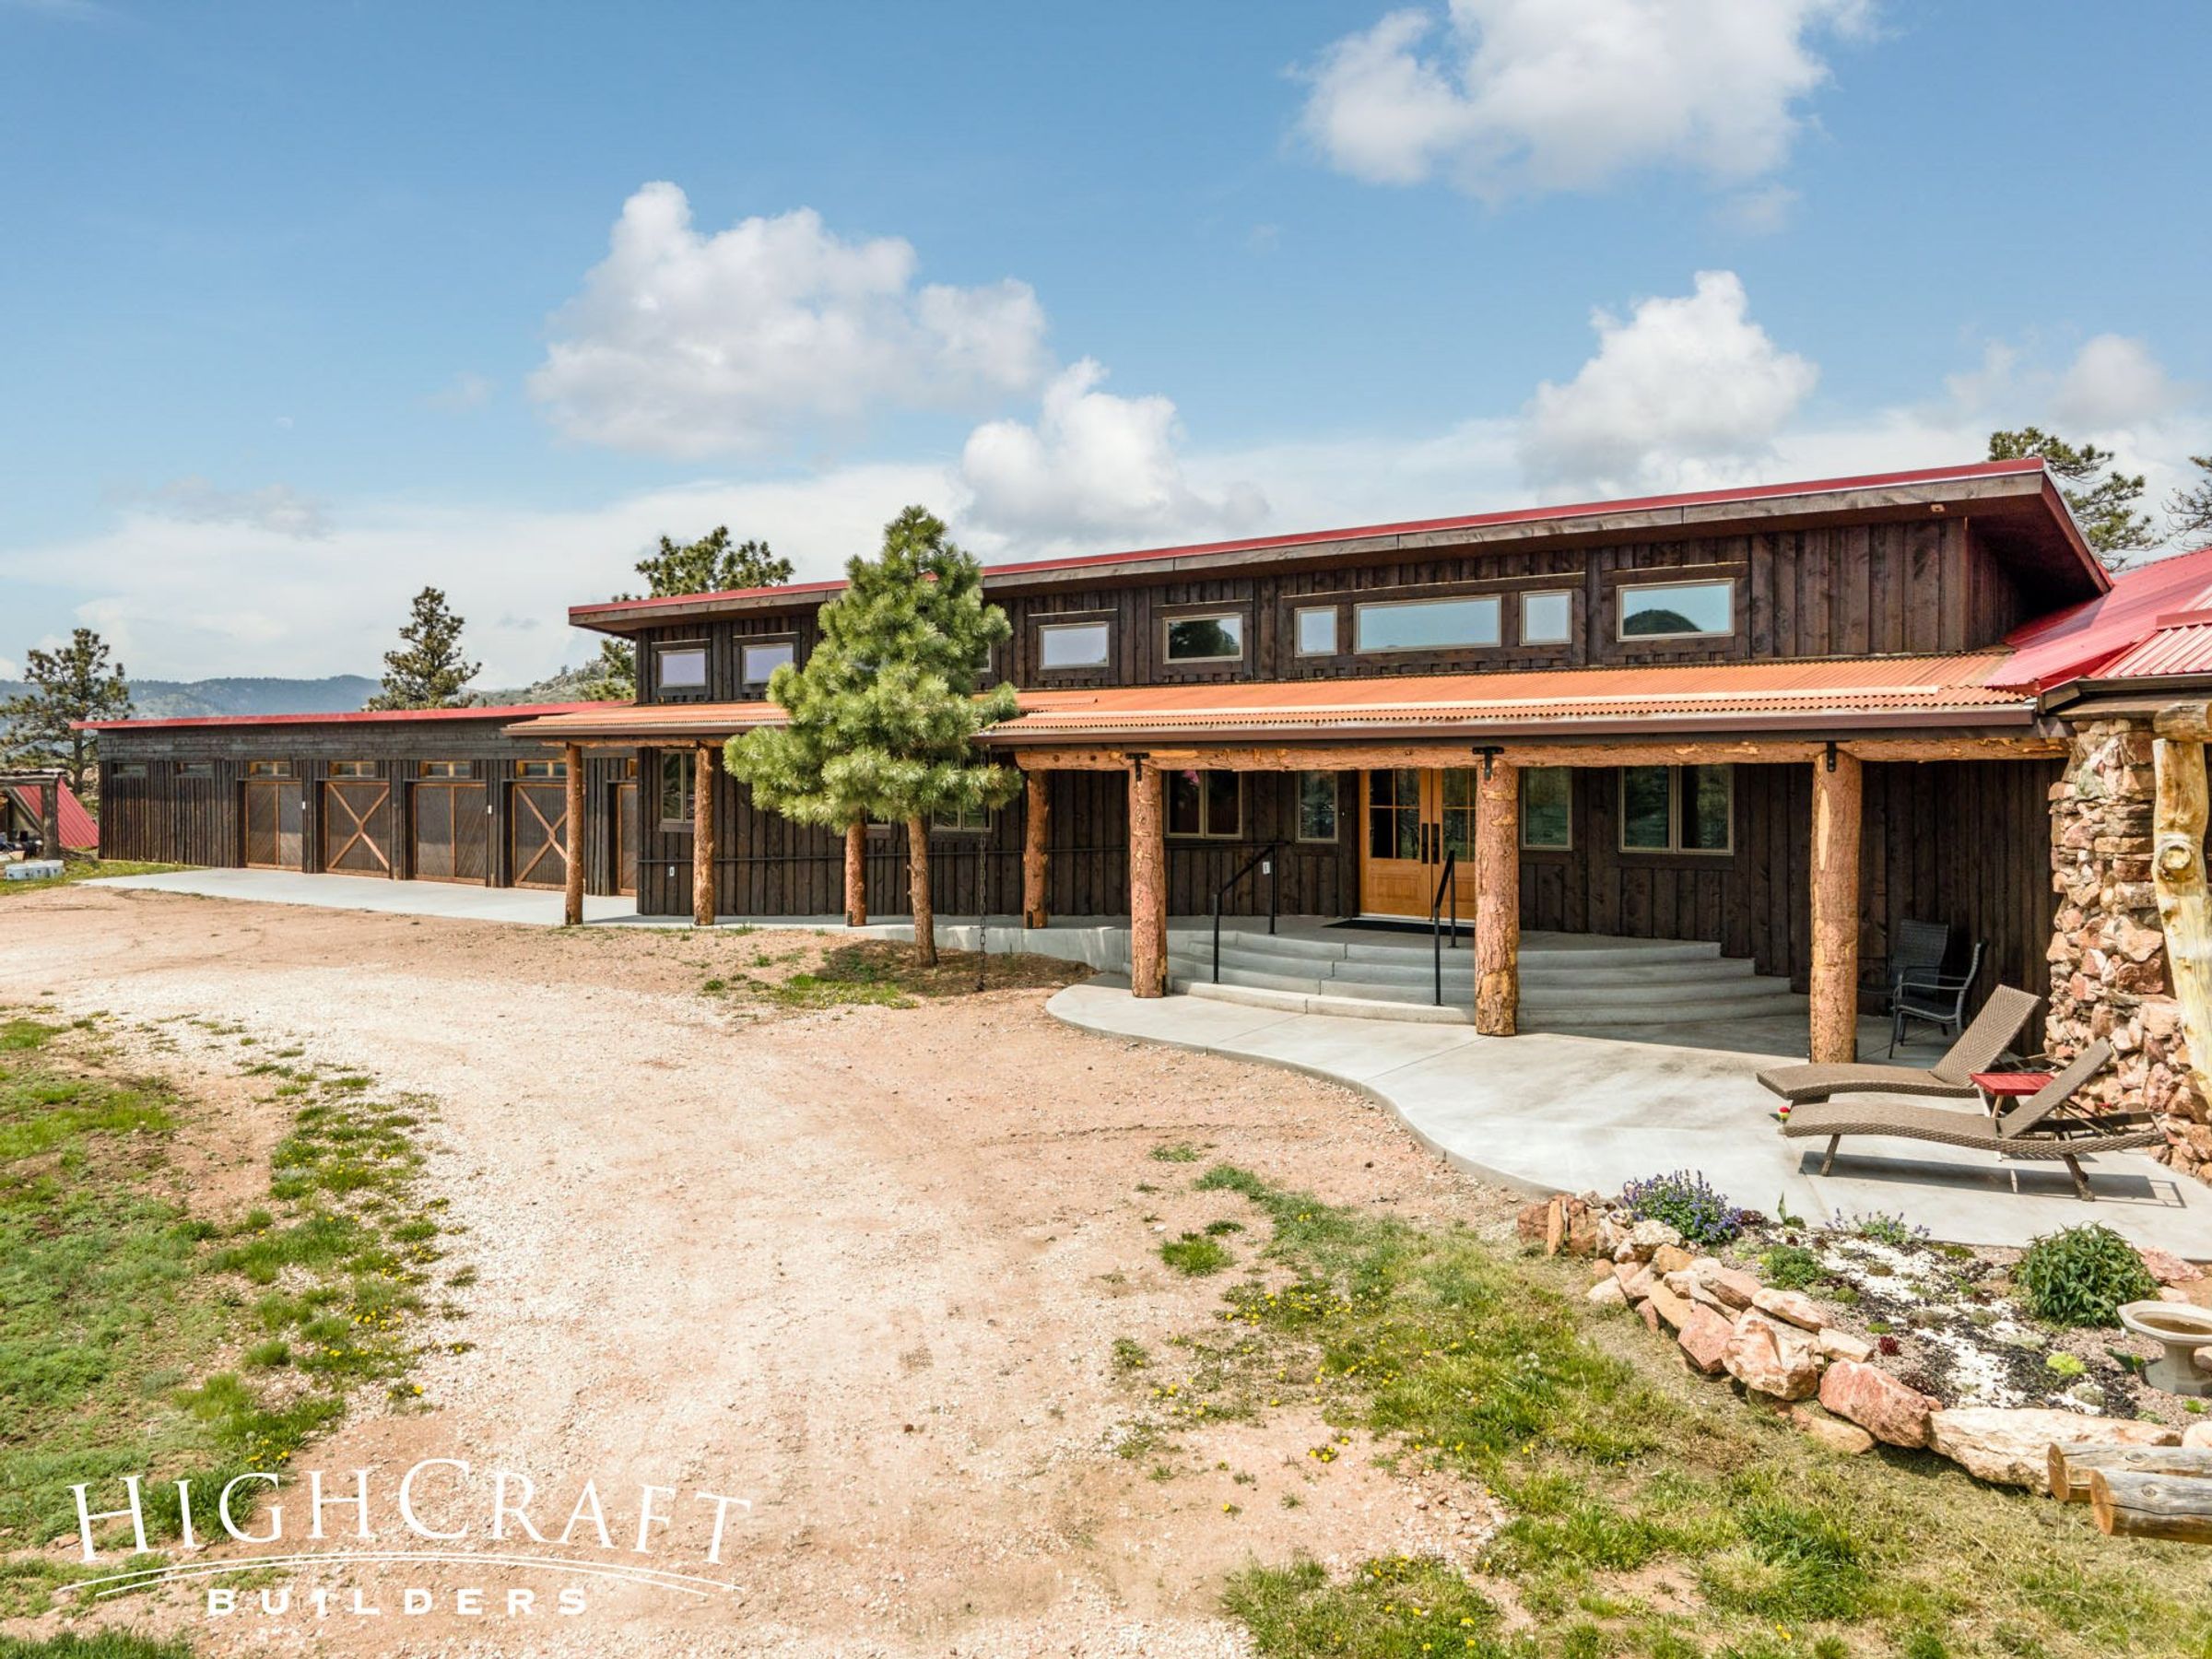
(690, 345)
(1515, 97)
(277, 507)
(1094, 464)
(2113, 381)
(1683, 391)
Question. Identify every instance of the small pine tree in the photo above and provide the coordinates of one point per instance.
(2106, 503)
(2190, 507)
(77, 682)
(883, 713)
(710, 565)
(426, 671)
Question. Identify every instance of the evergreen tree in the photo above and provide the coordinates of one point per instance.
(883, 713)
(710, 565)
(2106, 503)
(2192, 507)
(77, 682)
(426, 671)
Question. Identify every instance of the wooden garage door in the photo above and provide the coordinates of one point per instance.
(357, 827)
(452, 832)
(538, 828)
(626, 840)
(274, 809)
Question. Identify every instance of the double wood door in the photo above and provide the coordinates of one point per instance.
(1412, 820)
(357, 827)
(452, 832)
(275, 811)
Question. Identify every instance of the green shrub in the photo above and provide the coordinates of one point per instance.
(2081, 1276)
(1791, 1267)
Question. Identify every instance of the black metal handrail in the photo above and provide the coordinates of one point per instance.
(1274, 885)
(1445, 887)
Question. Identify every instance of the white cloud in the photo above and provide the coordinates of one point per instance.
(465, 391)
(688, 345)
(1527, 96)
(1764, 210)
(1095, 465)
(1685, 391)
(275, 508)
(2113, 382)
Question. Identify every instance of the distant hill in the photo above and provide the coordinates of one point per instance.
(178, 700)
(567, 686)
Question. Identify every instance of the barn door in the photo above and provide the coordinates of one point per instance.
(626, 840)
(357, 827)
(451, 833)
(274, 810)
(538, 822)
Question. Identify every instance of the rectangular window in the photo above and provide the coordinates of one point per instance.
(268, 768)
(677, 791)
(541, 768)
(1316, 806)
(1547, 808)
(1426, 624)
(1678, 809)
(196, 769)
(443, 768)
(1073, 645)
(1393, 813)
(964, 820)
(352, 768)
(1547, 618)
(1677, 610)
(756, 662)
(1317, 630)
(1208, 804)
(1218, 639)
(133, 768)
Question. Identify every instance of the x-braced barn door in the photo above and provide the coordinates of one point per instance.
(274, 810)
(357, 827)
(539, 820)
(452, 832)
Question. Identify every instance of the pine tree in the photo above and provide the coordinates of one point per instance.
(2192, 507)
(2106, 503)
(709, 565)
(77, 682)
(883, 713)
(426, 671)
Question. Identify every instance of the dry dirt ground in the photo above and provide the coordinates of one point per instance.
(864, 1267)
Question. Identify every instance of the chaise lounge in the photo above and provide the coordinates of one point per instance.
(1993, 1030)
(2037, 1128)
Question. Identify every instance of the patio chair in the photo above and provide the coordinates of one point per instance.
(2002, 1018)
(1915, 947)
(2040, 1127)
(1933, 996)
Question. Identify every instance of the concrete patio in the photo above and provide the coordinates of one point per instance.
(1564, 1113)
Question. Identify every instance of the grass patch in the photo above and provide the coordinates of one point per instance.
(1614, 1469)
(1195, 1253)
(1176, 1152)
(873, 973)
(102, 1645)
(76, 868)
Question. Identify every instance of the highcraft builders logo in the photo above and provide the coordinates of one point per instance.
(430, 1539)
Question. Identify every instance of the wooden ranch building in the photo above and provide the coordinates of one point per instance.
(1779, 719)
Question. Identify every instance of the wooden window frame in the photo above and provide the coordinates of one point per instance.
(1066, 624)
(1234, 833)
(554, 771)
(746, 682)
(1299, 613)
(1674, 848)
(1621, 609)
(701, 692)
(1297, 809)
(127, 769)
(1234, 615)
(1567, 632)
(960, 824)
(444, 768)
(258, 770)
(1495, 600)
(196, 769)
(349, 769)
(1567, 845)
(687, 790)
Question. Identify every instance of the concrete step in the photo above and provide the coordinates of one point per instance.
(1419, 968)
(1292, 1001)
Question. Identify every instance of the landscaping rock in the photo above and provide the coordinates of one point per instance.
(1674, 1312)
(1647, 1237)
(1670, 1258)
(1771, 1359)
(1529, 1224)
(2167, 1268)
(1704, 1336)
(1890, 1411)
(1582, 1232)
(1842, 1345)
(1847, 1438)
(1641, 1283)
(1794, 1306)
(1607, 1293)
(1625, 1271)
(1731, 1286)
(1649, 1314)
(2197, 1434)
(2012, 1447)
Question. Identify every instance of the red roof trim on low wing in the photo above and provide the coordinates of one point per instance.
(343, 717)
(2081, 640)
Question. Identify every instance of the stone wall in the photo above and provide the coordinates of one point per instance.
(2108, 953)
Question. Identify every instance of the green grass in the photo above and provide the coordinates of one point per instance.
(85, 869)
(1612, 1467)
(103, 1644)
(1176, 1152)
(1195, 1253)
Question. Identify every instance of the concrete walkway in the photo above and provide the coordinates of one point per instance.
(528, 906)
(1571, 1113)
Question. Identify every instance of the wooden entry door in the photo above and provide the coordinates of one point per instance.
(538, 821)
(452, 832)
(273, 812)
(357, 827)
(625, 822)
(1411, 818)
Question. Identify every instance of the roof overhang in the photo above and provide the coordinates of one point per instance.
(345, 717)
(667, 724)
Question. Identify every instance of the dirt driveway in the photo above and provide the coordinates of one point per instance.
(864, 1267)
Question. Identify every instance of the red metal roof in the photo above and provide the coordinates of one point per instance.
(79, 831)
(343, 717)
(1522, 516)
(2088, 641)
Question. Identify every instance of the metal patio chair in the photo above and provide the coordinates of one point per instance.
(1933, 997)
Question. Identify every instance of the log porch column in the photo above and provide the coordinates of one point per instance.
(50, 817)
(1147, 883)
(1036, 844)
(1835, 873)
(572, 904)
(856, 873)
(1497, 899)
(702, 839)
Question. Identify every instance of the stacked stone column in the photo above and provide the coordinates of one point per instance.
(2108, 953)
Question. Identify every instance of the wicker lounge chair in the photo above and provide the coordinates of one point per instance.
(2038, 1126)
(1992, 1032)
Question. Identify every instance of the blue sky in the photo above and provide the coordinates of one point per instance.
(303, 306)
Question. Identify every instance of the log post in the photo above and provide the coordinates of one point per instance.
(1497, 899)
(1835, 874)
(2130, 1505)
(572, 904)
(856, 873)
(1036, 844)
(2177, 868)
(702, 839)
(50, 817)
(2071, 1465)
(919, 899)
(1147, 883)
